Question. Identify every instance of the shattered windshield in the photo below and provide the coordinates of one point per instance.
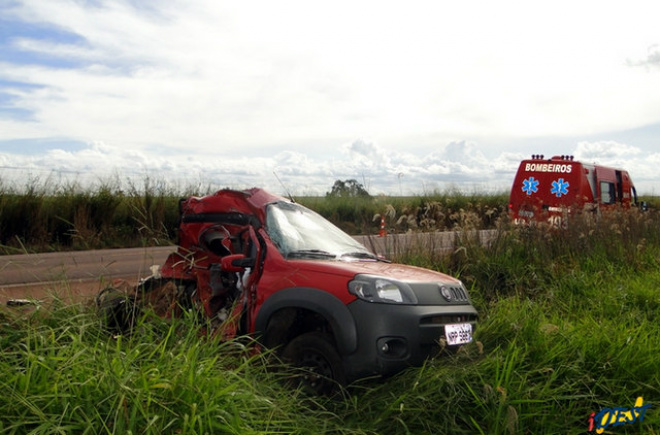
(301, 233)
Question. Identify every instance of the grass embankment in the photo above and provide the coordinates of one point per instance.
(569, 326)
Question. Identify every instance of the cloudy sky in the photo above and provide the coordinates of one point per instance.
(405, 97)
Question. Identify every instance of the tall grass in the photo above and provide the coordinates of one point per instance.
(63, 374)
(46, 216)
(568, 326)
(436, 211)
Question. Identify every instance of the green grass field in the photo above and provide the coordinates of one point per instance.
(568, 326)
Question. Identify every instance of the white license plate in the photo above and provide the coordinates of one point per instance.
(459, 333)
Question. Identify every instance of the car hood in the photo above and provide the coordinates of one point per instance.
(400, 272)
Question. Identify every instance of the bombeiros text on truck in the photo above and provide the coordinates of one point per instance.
(550, 189)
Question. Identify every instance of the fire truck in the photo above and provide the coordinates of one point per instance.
(548, 189)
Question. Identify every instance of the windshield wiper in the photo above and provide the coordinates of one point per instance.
(360, 254)
(310, 253)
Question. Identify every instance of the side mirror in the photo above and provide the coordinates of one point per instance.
(236, 263)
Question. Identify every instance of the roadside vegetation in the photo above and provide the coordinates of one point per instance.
(43, 216)
(568, 326)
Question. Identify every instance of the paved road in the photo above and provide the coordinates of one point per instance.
(75, 274)
(79, 265)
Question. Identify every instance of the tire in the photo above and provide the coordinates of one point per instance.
(117, 310)
(322, 371)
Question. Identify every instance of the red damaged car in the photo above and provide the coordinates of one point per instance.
(255, 263)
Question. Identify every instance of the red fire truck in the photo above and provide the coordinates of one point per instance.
(548, 189)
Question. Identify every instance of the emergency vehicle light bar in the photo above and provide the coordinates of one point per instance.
(562, 157)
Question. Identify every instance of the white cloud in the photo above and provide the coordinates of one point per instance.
(369, 157)
(459, 165)
(370, 164)
(240, 89)
(184, 73)
(605, 151)
(651, 60)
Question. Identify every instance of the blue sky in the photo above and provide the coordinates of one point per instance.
(405, 97)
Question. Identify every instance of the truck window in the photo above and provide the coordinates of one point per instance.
(619, 185)
(607, 195)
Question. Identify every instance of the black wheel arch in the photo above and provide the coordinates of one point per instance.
(322, 303)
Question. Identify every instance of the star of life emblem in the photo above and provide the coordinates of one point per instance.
(559, 187)
(530, 186)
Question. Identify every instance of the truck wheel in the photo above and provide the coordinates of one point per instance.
(322, 370)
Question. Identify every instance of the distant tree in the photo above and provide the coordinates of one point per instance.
(348, 188)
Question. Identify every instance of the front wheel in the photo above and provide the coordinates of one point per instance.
(321, 367)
